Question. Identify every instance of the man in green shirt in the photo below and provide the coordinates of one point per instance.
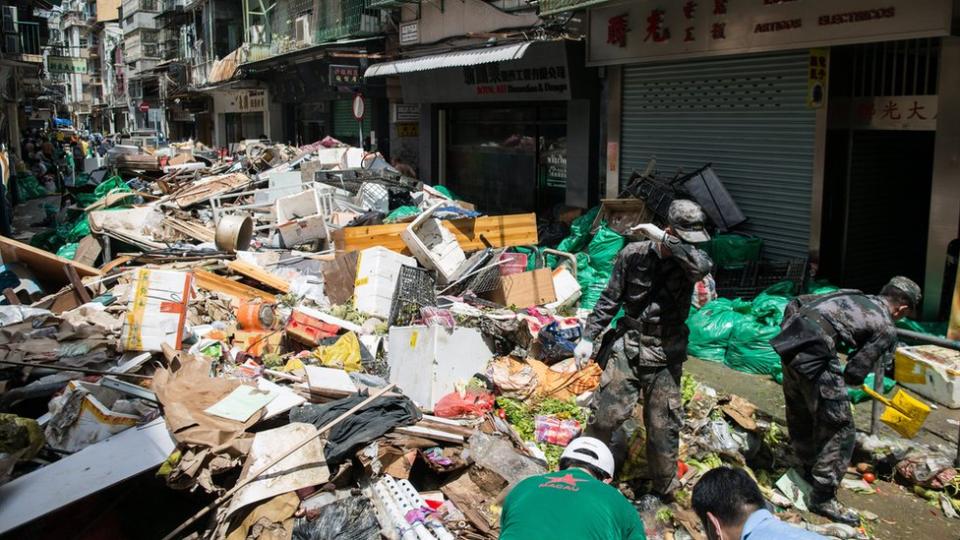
(576, 502)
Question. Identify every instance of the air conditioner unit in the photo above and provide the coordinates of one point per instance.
(302, 29)
(11, 43)
(256, 34)
(10, 19)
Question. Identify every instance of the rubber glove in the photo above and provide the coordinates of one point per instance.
(583, 352)
(651, 231)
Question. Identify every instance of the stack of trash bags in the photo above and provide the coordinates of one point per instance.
(596, 254)
(738, 333)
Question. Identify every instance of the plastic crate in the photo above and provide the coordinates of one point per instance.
(513, 263)
(748, 280)
(416, 288)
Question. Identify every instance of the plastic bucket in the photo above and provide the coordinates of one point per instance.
(513, 263)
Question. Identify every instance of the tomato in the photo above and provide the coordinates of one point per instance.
(682, 469)
(869, 477)
(502, 414)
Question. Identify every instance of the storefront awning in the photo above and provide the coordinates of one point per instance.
(471, 57)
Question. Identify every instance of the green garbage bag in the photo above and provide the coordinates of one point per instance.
(47, 240)
(446, 192)
(110, 185)
(68, 251)
(768, 308)
(936, 328)
(79, 229)
(781, 288)
(579, 234)
(603, 249)
(711, 327)
(820, 286)
(749, 348)
(732, 249)
(28, 187)
(401, 213)
(856, 393)
(590, 285)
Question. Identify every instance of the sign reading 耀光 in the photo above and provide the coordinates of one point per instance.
(541, 74)
(651, 30)
(66, 64)
(906, 113)
(344, 75)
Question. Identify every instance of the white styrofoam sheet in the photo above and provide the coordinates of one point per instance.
(90, 470)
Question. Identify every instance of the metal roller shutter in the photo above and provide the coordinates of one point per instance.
(746, 115)
(345, 125)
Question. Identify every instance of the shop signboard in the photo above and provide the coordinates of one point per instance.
(410, 32)
(818, 69)
(344, 75)
(241, 101)
(407, 112)
(635, 31)
(906, 113)
(542, 74)
(66, 64)
(408, 129)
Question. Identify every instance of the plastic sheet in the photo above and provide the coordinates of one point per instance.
(556, 343)
(471, 403)
(351, 518)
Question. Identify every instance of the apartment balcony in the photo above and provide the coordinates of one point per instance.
(200, 72)
(553, 7)
(344, 19)
(26, 44)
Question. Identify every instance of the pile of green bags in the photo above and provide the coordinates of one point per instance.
(738, 333)
(596, 255)
(28, 187)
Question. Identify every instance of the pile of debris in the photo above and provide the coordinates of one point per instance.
(313, 345)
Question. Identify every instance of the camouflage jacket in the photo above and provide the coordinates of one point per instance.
(861, 322)
(652, 288)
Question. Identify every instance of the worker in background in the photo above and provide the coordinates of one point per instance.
(731, 507)
(653, 281)
(814, 383)
(575, 502)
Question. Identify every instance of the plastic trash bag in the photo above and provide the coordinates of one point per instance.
(768, 308)
(351, 518)
(344, 354)
(68, 251)
(110, 185)
(749, 348)
(556, 343)
(579, 234)
(603, 250)
(28, 187)
(712, 325)
(471, 403)
(400, 213)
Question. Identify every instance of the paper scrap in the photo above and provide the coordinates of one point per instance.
(242, 403)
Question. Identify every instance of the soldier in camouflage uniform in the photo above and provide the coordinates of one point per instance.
(814, 383)
(653, 281)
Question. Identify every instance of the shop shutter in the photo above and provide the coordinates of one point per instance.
(748, 116)
(344, 124)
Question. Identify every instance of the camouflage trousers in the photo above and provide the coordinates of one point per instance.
(821, 425)
(624, 383)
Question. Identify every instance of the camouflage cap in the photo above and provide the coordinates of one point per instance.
(909, 288)
(687, 220)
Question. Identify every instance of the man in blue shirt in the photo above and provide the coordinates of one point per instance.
(731, 507)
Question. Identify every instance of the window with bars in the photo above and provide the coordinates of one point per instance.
(893, 68)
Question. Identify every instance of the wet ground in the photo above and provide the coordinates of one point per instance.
(902, 515)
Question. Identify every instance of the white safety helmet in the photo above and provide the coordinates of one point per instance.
(592, 451)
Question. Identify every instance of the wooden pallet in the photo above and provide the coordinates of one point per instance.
(472, 233)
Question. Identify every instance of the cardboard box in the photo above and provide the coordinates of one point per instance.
(525, 289)
(157, 310)
(257, 342)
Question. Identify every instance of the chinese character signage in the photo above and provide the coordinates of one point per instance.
(541, 74)
(410, 32)
(817, 70)
(910, 113)
(66, 64)
(241, 101)
(344, 75)
(649, 30)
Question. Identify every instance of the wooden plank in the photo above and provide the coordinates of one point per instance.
(11, 297)
(339, 276)
(78, 287)
(256, 273)
(88, 250)
(428, 433)
(212, 282)
(472, 234)
(46, 266)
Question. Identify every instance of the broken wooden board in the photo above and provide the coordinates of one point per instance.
(47, 267)
(339, 276)
(187, 228)
(88, 251)
(472, 233)
(209, 187)
(211, 282)
(256, 273)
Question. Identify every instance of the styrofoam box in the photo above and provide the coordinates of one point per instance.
(426, 362)
(377, 271)
(931, 371)
(435, 247)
